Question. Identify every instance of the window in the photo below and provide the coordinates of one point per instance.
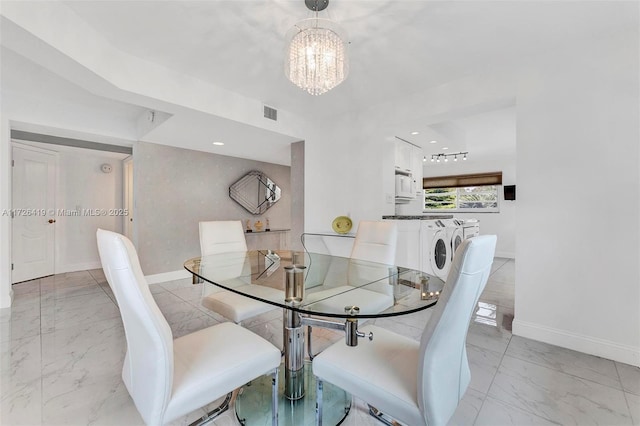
(441, 199)
(462, 193)
(463, 199)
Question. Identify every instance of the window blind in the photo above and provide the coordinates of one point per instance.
(457, 181)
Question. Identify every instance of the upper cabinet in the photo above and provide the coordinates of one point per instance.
(404, 160)
(408, 170)
(409, 160)
(416, 168)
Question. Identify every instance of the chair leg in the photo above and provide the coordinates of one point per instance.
(274, 398)
(211, 415)
(318, 401)
(381, 417)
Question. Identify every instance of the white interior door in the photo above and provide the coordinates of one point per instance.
(128, 197)
(33, 224)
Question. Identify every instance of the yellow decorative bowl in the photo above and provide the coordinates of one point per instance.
(342, 224)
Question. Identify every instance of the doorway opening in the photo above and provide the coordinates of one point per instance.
(61, 194)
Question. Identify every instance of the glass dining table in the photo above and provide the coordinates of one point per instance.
(313, 290)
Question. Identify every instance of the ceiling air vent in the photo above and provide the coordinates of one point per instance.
(270, 113)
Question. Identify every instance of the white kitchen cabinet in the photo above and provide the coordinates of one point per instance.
(404, 153)
(416, 169)
(408, 253)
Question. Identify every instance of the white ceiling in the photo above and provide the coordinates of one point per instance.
(196, 130)
(21, 75)
(397, 48)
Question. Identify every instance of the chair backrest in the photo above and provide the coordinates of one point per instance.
(221, 236)
(375, 241)
(443, 372)
(226, 239)
(148, 363)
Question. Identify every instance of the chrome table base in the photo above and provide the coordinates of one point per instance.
(253, 403)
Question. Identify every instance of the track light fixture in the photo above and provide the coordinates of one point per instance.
(445, 157)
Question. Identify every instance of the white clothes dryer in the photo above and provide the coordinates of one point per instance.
(470, 228)
(436, 251)
(456, 234)
(449, 226)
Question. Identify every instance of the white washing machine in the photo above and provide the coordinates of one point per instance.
(436, 249)
(470, 228)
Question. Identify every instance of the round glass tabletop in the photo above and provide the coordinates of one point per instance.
(320, 284)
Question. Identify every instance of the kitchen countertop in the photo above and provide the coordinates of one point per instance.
(420, 217)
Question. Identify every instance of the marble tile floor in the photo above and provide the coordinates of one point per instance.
(62, 346)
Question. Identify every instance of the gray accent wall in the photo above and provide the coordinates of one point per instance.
(297, 189)
(176, 188)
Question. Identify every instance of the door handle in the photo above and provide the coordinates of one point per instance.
(52, 221)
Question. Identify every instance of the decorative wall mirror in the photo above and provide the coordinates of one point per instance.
(255, 192)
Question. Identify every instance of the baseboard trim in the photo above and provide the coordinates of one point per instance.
(74, 267)
(10, 298)
(505, 254)
(167, 276)
(577, 342)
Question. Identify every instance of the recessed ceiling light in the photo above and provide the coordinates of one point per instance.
(415, 133)
(218, 143)
(445, 147)
(433, 142)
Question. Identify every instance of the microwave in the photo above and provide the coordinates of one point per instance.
(405, 187)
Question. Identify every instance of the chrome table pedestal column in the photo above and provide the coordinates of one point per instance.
(293, 338)
(293, 334)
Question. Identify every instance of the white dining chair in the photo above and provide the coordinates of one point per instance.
(415, 383)
(169, 378)
(373, 253)
(217, 237)
(376, 241)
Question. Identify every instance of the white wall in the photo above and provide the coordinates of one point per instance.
(81, 184)
(36, 114)
(332, 175)
(577, 277)
(5, 204)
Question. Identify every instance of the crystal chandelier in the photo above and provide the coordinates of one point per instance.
(316, 58)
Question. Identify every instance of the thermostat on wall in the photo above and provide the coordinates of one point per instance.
(106, 168)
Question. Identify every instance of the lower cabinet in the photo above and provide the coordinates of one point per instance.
(408, 250)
